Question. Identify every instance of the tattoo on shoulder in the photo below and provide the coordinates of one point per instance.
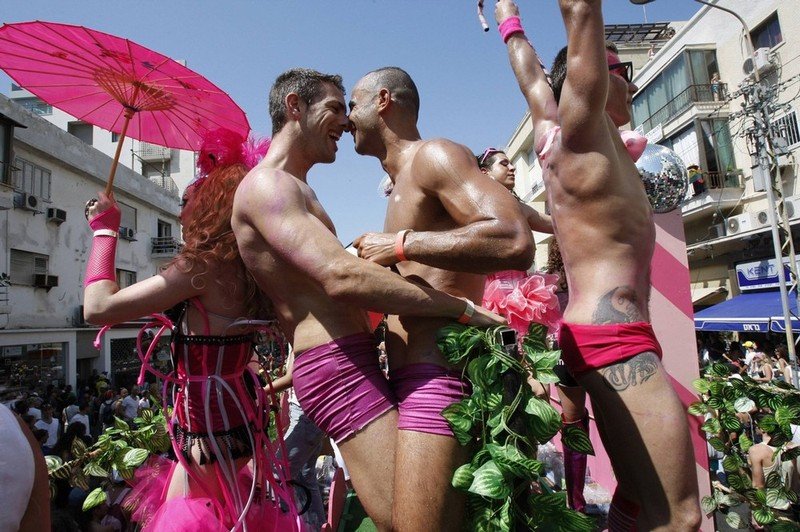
(617, 306)
(632, 372)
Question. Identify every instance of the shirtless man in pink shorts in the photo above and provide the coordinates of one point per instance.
(604, 225)
(319, 290)
(447, 226)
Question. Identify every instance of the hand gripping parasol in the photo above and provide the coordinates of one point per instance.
(117, 85)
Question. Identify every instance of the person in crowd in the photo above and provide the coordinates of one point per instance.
(604, 226)
(106, 410)
(51, 425)
(70, 410)
(447, 226)
(217, 426)
(102, 383)
(320, 291)
(82, 417)
(130, 403)
(495, 164)
(784, 366)
(34, 409)
(764, 368)
(63, 447)
(764, 460)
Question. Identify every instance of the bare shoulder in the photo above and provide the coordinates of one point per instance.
(264, 189)
(435, 149)
(439, 161)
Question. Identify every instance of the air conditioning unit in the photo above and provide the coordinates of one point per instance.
(791, 205)
(717, 230)
(762, 217)
(759, 62)
(58, 216)
(41, 280)
(30, 202)
(742, 223)
(126, 233)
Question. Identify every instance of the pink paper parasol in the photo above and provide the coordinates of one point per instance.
(117, 85)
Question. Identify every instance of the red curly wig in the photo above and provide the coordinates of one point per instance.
(209, 238)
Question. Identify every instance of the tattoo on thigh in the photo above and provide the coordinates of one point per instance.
(617, 306)
(637, 370)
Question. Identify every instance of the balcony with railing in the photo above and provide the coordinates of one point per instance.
(723, 190)
(711, 93)
(164, 247)
(153, 152)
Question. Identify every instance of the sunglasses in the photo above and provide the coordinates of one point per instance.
(487, 154)
(625, 70)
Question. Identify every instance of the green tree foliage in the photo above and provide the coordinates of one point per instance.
(723, 397)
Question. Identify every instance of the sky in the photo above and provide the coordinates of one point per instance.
(468, 92)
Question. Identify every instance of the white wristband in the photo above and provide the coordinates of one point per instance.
(106, 232)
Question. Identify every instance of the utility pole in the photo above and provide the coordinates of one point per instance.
(759, 98)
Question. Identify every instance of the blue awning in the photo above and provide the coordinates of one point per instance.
(752, 312)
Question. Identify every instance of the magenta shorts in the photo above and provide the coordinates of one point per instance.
(340, 385)
(423, 390)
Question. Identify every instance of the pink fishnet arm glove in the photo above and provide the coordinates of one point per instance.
(100, 266)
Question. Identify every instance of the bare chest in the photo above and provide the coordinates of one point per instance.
(410, 208)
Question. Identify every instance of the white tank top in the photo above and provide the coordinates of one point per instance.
(16, 471)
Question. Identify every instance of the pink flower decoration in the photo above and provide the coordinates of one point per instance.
(523, 299)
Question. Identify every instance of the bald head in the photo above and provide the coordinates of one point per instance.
(400, 85)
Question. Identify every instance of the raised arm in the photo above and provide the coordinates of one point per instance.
(537, 221)
(528, 70)
(586, 86)
(104, 303)
(274, 205)
(492, 233)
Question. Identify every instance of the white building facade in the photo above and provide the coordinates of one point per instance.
(46, 177)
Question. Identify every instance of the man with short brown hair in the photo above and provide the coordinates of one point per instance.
(319, 291)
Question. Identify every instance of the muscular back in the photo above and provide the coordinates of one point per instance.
(604, 226)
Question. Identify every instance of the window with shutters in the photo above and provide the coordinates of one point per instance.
(24, 265)
(128, 218)
(30, 178)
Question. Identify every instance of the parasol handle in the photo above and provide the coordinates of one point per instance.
(481, 18)
(128, 115)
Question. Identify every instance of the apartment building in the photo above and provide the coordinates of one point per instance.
(47, 173)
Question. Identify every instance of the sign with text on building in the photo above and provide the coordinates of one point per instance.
(761, 274)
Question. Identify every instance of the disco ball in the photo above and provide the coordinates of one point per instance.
(664, 176)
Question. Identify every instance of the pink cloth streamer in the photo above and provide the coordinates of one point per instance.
(423, 390)
(509, 27)
(100, 266)
(523, 299)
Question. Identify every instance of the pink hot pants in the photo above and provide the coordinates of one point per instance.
(588, 347)
(423, 391)
(340, 386)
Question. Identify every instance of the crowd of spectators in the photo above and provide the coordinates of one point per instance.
(57, 416)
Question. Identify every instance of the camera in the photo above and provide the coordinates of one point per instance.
(507, 338)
